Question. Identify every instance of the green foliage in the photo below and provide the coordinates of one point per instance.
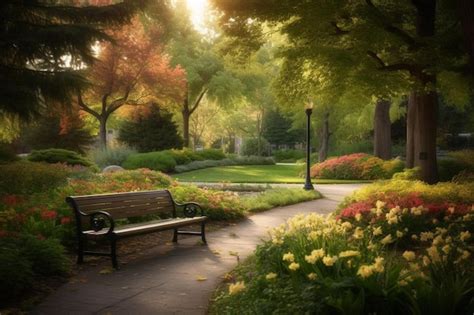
(278, 197)
(153, 131)
(15, 272)
(288, 156)
(241, 160)
(111, 156)
(253, 146)
(211, 154)
(218, 205)
(6, 153)
(27, 177)
(455, 163)
(157, 161)
(64, 29)
(278, 130)
(59, 156)
(408, 174)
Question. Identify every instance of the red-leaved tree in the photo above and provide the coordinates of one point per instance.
(133, 70)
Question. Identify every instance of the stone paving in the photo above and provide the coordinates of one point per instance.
(178, 279)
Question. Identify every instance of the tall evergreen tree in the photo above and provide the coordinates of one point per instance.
(44, 43)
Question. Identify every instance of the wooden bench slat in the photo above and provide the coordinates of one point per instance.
(127, 197)
(150, 227)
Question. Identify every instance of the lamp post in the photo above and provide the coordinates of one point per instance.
(309, 110)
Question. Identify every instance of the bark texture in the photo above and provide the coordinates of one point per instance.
(325, 134)
(382, 130)
(410, 141)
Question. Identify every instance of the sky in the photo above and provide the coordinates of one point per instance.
(198, 11)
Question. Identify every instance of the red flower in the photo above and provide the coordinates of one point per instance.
(49, 215)
(65, 220)
(11, 200)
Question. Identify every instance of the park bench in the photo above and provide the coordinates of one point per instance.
(96, 217)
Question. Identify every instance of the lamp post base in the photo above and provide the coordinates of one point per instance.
(308, 186)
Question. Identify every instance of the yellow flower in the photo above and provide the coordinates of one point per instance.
(380, 204)
(402, 283)
(312, 276)
(346, 225)
(425, 236)
(365, 271)
(446, 249)
(289, 257)
(271, 276)
(465, 254)
(433, 253)
(349, 253)
(294, 266)
(464, 235)
(414, 237)
(329, 261)
(437, 240)
(399, 234)
(358, 233)
(315, 255)
(378, 264)
(387, 239)
(391, 218)
(417, 210)
(414, 266)
(377, 231)
(426, 260)
(358, 216)
(409, 255)
(236, 287)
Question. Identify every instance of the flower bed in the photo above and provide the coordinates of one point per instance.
(410, 253)
(356, 166)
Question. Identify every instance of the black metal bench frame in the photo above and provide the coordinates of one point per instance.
(97, 213)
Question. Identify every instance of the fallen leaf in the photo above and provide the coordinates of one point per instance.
(201, 278)
(106, 271)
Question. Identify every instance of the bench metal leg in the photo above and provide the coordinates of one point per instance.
(113, 252)
(175, 236)
(80, 250)
(203, 232)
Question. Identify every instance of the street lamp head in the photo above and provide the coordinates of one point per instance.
(308, 105)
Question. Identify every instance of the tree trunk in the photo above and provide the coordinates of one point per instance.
(186, 116)
(103, 132)
(426, 100)
(382, 130)
(425, 136)
(410, 141)
(324, 146)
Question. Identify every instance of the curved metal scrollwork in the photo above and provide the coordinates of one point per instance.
(190, 210)
(98, 222)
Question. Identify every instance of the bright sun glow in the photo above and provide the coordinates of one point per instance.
(198, 10)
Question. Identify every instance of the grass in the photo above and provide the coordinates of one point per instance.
(286, 174)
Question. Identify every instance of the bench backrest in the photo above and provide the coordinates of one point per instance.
(126, 205)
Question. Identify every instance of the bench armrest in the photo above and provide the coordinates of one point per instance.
(190, 209)
(97, 221)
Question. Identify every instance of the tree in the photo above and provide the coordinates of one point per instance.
(44, 43)
(63, 129)
(382, 130)
(150, 129)
(134, 71)
(206, 74)
(417, 41)
(278, 129)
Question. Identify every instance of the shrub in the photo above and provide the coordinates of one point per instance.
(250, 147)
(15, 272)
(211, 154)
(157, 161)
(27, 177)
(408, 174)
(288, 156)
(184, 156)
(356, 166)
(218, 205)
(111, 156)
(47, 256)
(59, 156)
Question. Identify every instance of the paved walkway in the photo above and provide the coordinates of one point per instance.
(165, 280)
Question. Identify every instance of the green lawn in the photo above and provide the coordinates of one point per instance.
(252, 174)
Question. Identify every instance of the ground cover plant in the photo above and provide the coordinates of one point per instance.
(54, 156)
(392, 259)
(356, 166)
